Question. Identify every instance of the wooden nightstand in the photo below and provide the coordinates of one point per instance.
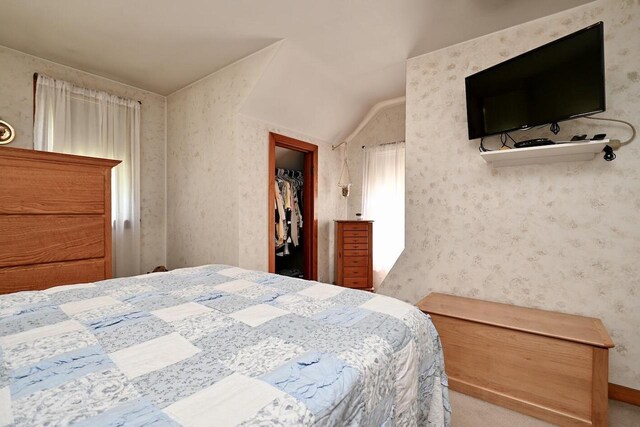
(354, 254)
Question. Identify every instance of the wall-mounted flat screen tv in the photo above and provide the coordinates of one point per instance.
(561, 80)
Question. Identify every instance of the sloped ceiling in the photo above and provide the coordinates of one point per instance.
(337, 58)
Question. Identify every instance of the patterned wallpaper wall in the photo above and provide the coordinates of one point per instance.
(217, 174)
(203, 168)
(16, 106)
(252, 140)
(215, 162)
(562, 237)
(386, 126)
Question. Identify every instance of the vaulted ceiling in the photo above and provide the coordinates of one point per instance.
(337, 57)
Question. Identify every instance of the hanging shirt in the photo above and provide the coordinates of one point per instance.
(287, 195)
(297, 198)
(288, 211)
(281, 234)
(294, 219)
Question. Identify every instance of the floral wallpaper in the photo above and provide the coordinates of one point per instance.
(214, 159)
(562, 237)
(386, 126)
(203, 167)
(16, 106)
(252, 140)
(217, 169)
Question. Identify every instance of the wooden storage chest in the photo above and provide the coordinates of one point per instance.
(549, 365)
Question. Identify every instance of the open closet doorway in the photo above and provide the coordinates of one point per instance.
(293, 195)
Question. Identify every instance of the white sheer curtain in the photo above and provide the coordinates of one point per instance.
(383, 202)
(74, 120)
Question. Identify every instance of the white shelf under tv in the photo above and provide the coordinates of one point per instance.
(560, 152)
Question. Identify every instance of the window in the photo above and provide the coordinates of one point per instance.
(74, 120)
(383, 202)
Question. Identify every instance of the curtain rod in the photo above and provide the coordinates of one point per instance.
(386, 143)
(35, 78)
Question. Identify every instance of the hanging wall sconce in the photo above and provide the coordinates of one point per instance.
(6, 133)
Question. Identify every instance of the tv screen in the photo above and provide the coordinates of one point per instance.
(558, 81)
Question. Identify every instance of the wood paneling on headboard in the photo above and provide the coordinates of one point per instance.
(55, 219)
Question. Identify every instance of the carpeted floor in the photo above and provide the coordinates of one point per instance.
(471, 412)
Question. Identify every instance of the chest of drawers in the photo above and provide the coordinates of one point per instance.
(55, 219)
(354, 254)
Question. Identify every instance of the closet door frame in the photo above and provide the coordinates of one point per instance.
(309, 215)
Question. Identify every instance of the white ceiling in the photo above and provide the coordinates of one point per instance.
(338, 58)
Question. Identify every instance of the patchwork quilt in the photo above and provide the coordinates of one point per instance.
(216, 346)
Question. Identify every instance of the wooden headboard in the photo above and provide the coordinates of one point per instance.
(55, 219)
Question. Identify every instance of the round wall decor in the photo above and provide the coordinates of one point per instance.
(6, 133)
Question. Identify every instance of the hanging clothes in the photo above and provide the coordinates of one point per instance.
(280, 217)
(288, 209)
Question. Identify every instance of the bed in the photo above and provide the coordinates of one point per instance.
(211, 345)
(217, 345)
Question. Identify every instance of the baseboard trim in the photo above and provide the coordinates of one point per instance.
(624, 394)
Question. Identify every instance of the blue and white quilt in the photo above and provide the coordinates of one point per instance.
(217, 346)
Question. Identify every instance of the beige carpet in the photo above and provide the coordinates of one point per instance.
(470, 412)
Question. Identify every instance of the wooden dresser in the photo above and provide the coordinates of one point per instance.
(55, 219)
(549, 365)
(354, 254)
